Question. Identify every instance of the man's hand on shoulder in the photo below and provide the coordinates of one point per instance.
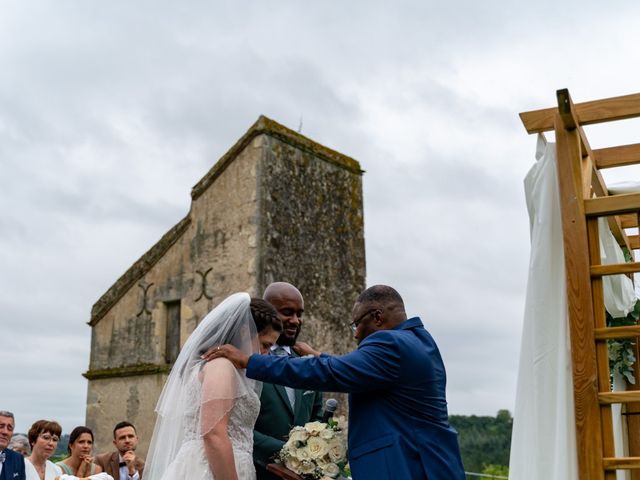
(303, 349)
(231, 353)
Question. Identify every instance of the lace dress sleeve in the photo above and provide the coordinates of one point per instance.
(220, 390)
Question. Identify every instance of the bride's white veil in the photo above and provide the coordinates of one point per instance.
(179, 406)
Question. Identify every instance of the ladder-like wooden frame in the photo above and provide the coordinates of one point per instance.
(584, 198)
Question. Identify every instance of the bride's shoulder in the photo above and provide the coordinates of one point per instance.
(218, 365)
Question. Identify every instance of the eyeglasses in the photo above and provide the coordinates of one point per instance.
(354, 325)
(49, 438)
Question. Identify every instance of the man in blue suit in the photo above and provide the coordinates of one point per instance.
(11, 463)
(398, 422)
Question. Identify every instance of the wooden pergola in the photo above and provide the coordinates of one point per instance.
(584, 197)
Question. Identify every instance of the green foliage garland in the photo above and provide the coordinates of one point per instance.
(622, 350)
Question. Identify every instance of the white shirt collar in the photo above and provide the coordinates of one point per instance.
(286, 348)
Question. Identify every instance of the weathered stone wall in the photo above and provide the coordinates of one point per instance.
(114, 399)
(311, 235)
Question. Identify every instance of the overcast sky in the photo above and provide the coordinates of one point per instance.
(111, 111)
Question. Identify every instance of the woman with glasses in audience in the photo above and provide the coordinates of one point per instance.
(80, 462)
(43, 437)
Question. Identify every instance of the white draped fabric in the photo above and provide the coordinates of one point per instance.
(543, 445)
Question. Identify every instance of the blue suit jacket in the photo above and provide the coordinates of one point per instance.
(13, 466)
(398, 423)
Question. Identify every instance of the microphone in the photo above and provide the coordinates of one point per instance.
(330, 407)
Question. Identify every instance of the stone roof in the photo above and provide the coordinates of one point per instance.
(263, 126)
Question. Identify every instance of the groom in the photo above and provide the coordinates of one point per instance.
(282, 407)
(398, 423)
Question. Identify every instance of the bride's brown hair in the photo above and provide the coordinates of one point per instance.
(264, 315)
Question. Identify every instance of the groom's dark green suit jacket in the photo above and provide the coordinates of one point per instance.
(276, 419)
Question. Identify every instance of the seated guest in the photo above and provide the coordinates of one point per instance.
(123, 464)
(11, 463)
(43, 438)
(80, 462)
(19, 443)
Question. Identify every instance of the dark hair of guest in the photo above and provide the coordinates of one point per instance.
(75, 433)
(43, 426)
(123, 425)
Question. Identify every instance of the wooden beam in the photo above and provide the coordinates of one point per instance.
(607, 333)
(619, 397)
(618, 232)
(588, 113)
(629, 220)
(614, 269)
(634, 242)
(612, 205)
(580, 309)
(592, 181)
(602, 350)
(566, 109)
(600, 189)
(621, 463)
(617, 156)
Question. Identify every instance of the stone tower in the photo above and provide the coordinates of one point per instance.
(276, 206)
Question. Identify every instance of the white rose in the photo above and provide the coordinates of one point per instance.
(331, 470)
(337, 450)
(318, 448)
(292, 463)
(307, 467)
(327, 434)
(314, 428)
(300, 435)
(302, 453)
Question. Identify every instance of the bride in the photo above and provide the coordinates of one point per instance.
(206, 412)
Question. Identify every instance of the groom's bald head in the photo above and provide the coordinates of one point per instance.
(288, 302)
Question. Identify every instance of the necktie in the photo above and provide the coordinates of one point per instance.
(280, 351)
(291, 394)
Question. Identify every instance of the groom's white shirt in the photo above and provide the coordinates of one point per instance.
(286, 348)
(291, 393)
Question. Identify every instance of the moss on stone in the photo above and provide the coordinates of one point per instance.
(129, 371)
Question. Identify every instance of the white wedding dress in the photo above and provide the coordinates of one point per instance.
(191, 460)
(197, 396)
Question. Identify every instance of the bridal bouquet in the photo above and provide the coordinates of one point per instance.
(317, 450)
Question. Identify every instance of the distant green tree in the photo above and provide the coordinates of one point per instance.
(484, 441)
(497, 470)
(61, 450)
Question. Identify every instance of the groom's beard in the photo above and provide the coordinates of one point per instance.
(285, 340)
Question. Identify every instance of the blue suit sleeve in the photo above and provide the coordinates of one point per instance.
(374, 365)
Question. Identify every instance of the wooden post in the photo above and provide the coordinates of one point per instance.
(580, 308)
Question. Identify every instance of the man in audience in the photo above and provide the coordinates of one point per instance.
(123, 464)
(281, 407)
(11, 463)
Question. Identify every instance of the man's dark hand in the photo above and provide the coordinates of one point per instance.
(303, 349)
(231, 353)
